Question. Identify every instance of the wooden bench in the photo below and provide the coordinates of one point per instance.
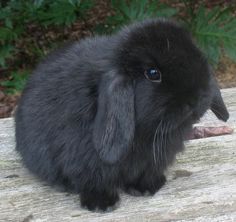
(201, 185)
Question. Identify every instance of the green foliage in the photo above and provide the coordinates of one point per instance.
(61, 12)
(16, 82)
(214, 31)
(16, 15)
(5, 52)
(133, 10)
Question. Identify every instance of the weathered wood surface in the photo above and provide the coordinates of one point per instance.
(201, 185)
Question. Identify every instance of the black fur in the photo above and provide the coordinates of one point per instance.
(90, 121)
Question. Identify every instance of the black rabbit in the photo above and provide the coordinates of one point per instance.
(112, 112)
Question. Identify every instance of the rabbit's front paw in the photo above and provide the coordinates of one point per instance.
(99, 201)
(146, 186)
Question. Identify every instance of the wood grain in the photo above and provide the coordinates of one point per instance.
(201, 185)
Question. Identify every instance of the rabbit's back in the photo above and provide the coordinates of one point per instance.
(55, 114)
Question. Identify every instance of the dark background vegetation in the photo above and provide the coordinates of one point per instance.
(29, 29)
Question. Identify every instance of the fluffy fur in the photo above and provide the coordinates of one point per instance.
(91, 121)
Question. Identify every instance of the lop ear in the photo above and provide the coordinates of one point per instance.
(217, 106)
(114, 122)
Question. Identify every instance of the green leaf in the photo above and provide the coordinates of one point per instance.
(84, 6)
(7, 34)
(166, 12)
(58, 14)
(5, 52)
(74, 2)
(8, 23)
(214, 29)
(38, 3)
(231, 52)
(16, 82)
(134, 10)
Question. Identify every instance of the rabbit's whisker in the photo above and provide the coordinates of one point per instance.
(168, 44)
(154, 141)
(167, 135)
(162, 143)
(156, 146)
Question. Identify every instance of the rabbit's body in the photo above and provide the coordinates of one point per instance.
(89, 120)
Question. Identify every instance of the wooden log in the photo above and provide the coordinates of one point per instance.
(201, 185)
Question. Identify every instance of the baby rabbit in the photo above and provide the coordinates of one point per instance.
(111, 112)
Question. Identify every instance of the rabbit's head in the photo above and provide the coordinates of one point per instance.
(157, 75)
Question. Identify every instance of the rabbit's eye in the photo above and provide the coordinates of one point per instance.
(153, 75)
